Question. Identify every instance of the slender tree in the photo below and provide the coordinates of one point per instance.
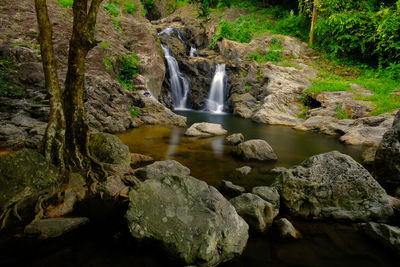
(67, 133)
(314, 20)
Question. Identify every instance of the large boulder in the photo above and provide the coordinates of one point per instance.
(109, 149)
(387, 157)
(333, 185)
(25, 171)
(161, 169)
(257, 212)
(205, 129)
(192, 220)
(255, 150)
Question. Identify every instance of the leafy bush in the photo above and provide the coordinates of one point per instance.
(134, 112)
(66, 3)
(112, 9)
(130, 7)
(127, 68)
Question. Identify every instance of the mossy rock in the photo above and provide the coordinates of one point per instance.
(109, 149)
(25, 168)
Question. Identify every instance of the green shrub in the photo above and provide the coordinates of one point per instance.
(66, 3)
(112, 9)
(134, 112)
(127, 68)
(130, 7)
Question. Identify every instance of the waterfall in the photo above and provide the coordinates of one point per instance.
(180, 85)
(192, 50)
(169, 31)
(215, 101)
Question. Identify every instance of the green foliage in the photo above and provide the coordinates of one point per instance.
(116, 24)
(269, 56)
(112, 9)
(130, 7)
(8, 88)
(293, 25)
(342, 113)
(66, 3)
(127, 68)
(134, 112)
(106, 44)
(362, 30)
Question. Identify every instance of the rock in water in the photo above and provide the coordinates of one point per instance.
(387, 157)
(269, 194)
(255, 150)
(286, 228)
(230, 189)
(257, 212)
(386, 234)
(192, 220)
(245, 170)
(234, 139)
(205, 129)
(333, 185)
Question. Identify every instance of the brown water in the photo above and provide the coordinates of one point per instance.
(106, 240)
(210, 160)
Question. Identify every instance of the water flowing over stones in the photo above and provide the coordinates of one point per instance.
(180, 85)
(215, 102)
(192, 50)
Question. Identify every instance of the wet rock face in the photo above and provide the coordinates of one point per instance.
(333, 185)
(387, 157)
(255, 150)
(161, 169)
(192, 220)
(54, 227)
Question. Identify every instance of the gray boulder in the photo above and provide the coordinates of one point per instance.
(257, 212)
(387, 157)
(205, 129)
(386, 234)
(54, 227)
(192, 220)
(269, 194)
(160, 169)
(234, 139)
(254, 150)
(333, 185)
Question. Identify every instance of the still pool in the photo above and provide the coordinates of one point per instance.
(106, 241)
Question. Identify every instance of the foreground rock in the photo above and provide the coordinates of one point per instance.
(333, 185)
(162, 169)
(387, 157)
(192, 220)
(109, 149)
(234, 139)
(205, 129)
(257, 212)
(386, 234)
(140, 160)
(54, 227)
(23, 174)
(255, 150)
(286, 228)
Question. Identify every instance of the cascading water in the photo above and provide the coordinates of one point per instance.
(192, 50)
(215, 101)
(180, 85)
(169, 31)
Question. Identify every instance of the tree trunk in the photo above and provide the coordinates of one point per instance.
(82, 41)
(313, 21)
(54, 138)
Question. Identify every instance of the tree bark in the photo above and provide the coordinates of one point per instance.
(54, 138)
(82, 41)
(313, 21)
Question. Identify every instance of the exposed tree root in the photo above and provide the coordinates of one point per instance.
(12, 205)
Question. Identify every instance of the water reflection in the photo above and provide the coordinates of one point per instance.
(173, 142)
